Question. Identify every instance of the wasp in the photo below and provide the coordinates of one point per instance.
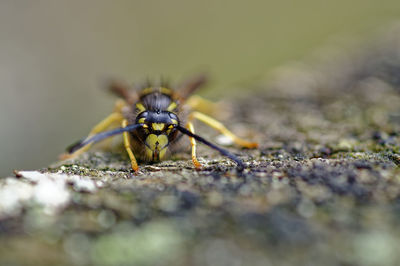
(153, 120)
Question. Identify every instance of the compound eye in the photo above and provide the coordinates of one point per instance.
(174, 119)
(173, 116)
(141, 118)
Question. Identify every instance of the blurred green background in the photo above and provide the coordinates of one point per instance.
(55, 55)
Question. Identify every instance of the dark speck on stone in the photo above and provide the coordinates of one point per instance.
(376, 135)
(188, 199)
(362, 164)
(324, 151)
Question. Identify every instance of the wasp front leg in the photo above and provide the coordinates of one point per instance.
(193, 144)
(127, 145)
(113, 118)
(222, 129)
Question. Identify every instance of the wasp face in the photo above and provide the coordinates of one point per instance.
(157, 131)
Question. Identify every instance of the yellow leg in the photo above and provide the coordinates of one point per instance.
(202, 105)
(119, 105)
(128, 149)
(221, 128)
(196, 163)
(103, 125)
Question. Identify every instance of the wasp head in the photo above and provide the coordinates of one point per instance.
(158, 130)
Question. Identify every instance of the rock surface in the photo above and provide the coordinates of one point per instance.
(322, 189)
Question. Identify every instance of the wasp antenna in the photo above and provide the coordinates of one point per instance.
(213, 146)
(98, 137)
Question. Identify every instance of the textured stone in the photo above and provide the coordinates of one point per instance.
(322, 189)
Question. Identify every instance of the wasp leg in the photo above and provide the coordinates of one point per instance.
(103, 125)
(196, 163)
(119, 105)
(222, 129)
(127, 145)
(203, 105)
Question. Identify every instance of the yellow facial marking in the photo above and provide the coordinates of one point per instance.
(141, 121)
(172, 106)
(149, 154)
(158, 126)
(155, 156)
(156, 146)
(162, 153)
(174, 121)
(170, 127)
(157, 142)
(140, 107)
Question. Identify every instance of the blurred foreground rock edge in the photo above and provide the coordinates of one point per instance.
(323, 189)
